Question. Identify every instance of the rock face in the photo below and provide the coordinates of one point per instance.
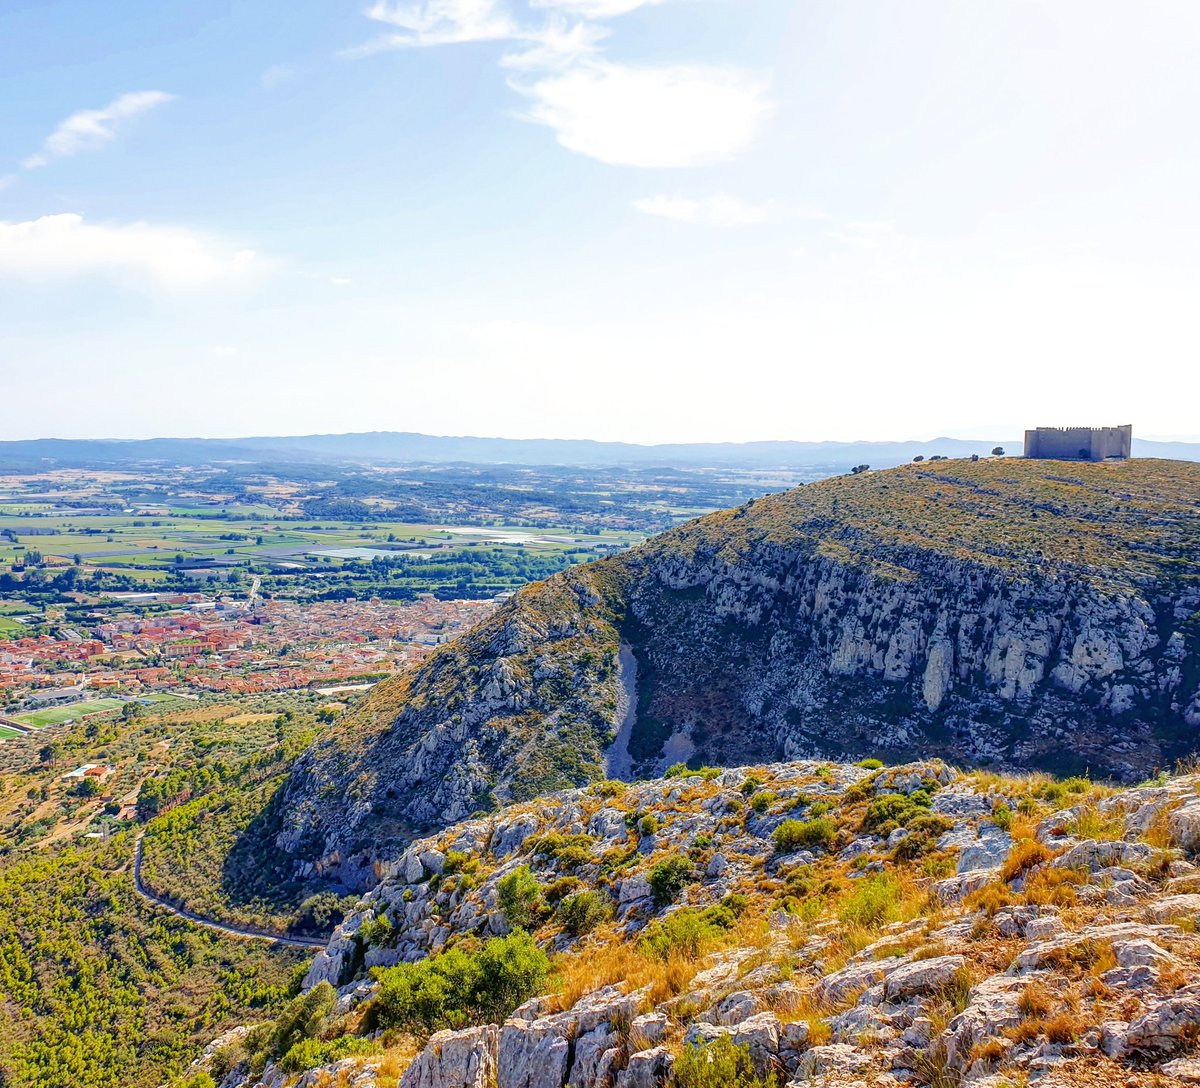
(1031, 614)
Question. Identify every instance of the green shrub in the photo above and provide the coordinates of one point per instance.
(570, 851)
(793, 835)
(519, 897)
(376, 932)
(691, 931)
(648, 825)
(558, 891)
(583, 912)
(682, 770)
(512, 969)
(871, 764)
(875, 900)
(762, 801)
(456, 988)
(719, 1064)
(1002, 816)
(750, 784)
(310, 1053)
(200, 1080)
(893, 810)
(427, 996)
(668, 878)
(304, 1017)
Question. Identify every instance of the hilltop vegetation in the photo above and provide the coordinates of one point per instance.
(1006, 613)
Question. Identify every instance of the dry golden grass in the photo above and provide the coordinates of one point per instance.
(1025, 854)
(1158, 834)
(609, 961)
(249, 719)
(1053, 887)
(1035, 1001)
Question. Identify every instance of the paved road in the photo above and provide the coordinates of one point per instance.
(208, 923)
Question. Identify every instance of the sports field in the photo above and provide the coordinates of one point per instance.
(55, 715)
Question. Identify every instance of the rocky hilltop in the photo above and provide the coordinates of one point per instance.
(801, 923)
(1033, 614)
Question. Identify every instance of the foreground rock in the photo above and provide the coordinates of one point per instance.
(831, 955)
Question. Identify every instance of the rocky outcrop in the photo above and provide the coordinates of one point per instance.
(1082, 962)
(1028, 614)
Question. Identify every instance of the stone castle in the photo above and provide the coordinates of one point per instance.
(1079, 443)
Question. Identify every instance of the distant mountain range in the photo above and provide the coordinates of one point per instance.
(406, 447)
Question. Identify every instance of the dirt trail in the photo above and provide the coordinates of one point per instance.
(208, 923)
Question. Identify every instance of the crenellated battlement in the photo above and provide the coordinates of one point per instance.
(1080, 443)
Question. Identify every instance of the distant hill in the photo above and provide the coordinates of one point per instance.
(404, 447)
(1038, 614)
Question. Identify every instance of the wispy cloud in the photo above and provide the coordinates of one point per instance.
(650, 116)
(556, 46)
(61, 247)
(6, 180)
(88, 130)
(713, 211)
(596, 9)
(435, 22)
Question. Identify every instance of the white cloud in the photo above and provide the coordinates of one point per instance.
(58, 247)
(6, 180)
(556, 46)
(435, 22)
(653, 116)
(88, 130)
(596, 9)
(712, 211)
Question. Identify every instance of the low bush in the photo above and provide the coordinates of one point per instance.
(892, 810)
(519, 897)
(583, 912)
(376, 932)
(719, 1064)
(875, 900)
(303, 1018)
(310, 1053)
(668, 878)
(690, 932)
(456, 988)
(793, 835)
(569, 851)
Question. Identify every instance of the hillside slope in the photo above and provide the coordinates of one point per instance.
(1025, 614)
(816, 924)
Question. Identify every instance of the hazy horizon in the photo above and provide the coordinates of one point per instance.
(988, 435)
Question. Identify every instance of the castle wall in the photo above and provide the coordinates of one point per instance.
(1079, 443)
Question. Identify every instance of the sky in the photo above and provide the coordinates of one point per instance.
(640, 220)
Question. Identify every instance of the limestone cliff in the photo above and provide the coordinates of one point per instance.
(1020, 614)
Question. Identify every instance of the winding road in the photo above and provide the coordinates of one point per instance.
(219, 927)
